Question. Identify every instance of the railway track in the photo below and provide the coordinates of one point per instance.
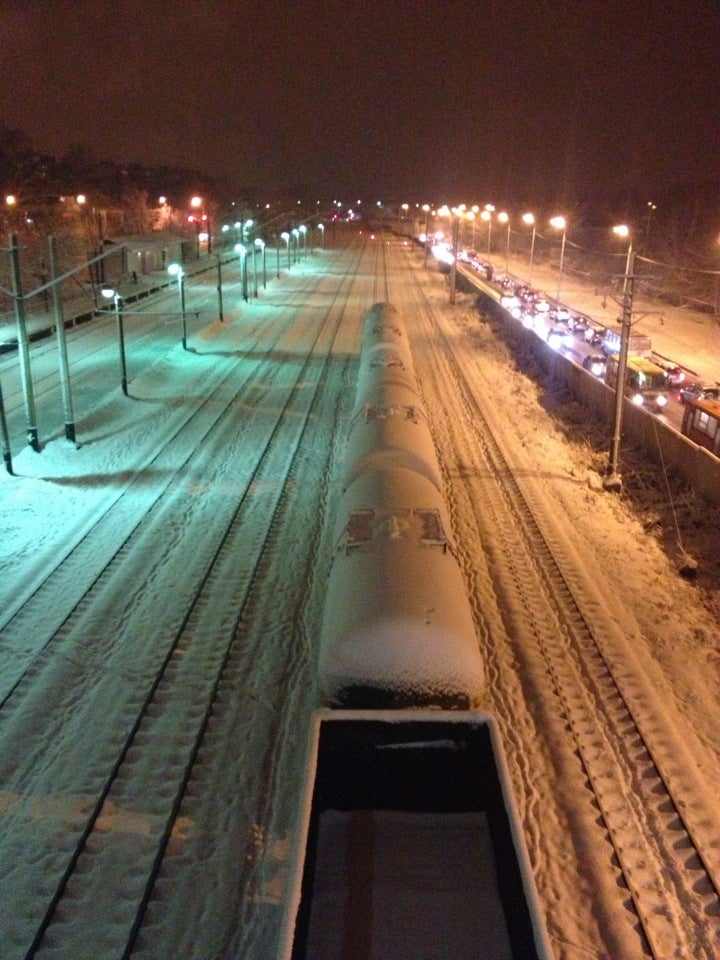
(661, 831)
(182, 693)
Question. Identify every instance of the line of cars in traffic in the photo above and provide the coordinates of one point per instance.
(651, 380)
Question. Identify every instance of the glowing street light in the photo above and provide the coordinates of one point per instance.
(486, 215)
(241, 250)
(286, 237)
(529, 220)
(505, 218)
(560, 224)
(110, 293)
(175, 270)
(321, 228)
(260, 244)
(426, 209)
(296, 237)
(303, 233)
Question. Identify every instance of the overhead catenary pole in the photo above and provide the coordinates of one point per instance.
(23, 345)
(613, 480)
(61, 342)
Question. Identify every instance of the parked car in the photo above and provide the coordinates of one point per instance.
(699, 391)
(596, 364)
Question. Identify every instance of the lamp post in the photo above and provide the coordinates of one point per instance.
(23, 344)
(296, 236)
(560, 223)
(505, 218)
(303, 233)
(260, 244)
(426, 209)
(457, 214)
(613, 480)
(286, 237)
(241, 251)
(175, 270)
(321, 228)
(219, 287)
(529, 219)
(110, 293)
(486, 215)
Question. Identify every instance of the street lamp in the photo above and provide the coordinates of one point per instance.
(529, 219)
(321, 228)
(201, 219)
(219, 287)
(486, 215)
(456, 212)
(426, 209)
(175, 270)
(296, 235)
(303, 232)
(505, 218)
(613, 480)
(110, 293)
(260, 244)
(560, 224)
(286, 237)
(241, 251)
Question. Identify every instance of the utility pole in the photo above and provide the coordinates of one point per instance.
(613, 479)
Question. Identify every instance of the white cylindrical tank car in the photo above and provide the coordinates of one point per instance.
(384, 324)
(379, 362)
(391, 429)
(398, 629)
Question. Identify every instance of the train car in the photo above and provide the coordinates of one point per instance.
(383, 323)
(391, 429)
(380, 361)
(409, 844)
(398, 629)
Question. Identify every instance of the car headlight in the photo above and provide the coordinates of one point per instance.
(638, 399)
(661, 400)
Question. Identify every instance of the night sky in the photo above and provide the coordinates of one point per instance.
(502, 100)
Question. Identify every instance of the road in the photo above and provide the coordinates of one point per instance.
(159, 630)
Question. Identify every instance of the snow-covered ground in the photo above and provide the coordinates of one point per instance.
(163, 677)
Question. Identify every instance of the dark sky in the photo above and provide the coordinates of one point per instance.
(385, 99)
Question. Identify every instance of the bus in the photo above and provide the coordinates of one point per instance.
(645, 381)
(701, 424)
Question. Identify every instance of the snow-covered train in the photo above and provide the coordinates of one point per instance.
(409, 842)
(398, 629)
